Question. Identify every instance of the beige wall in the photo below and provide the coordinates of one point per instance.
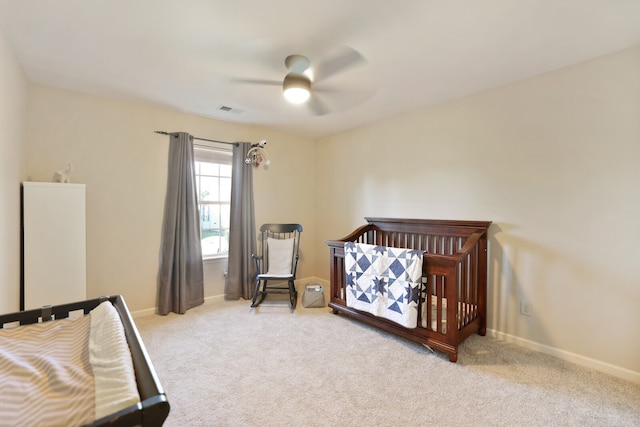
(115, 152)
(553, 161)
(13, 107)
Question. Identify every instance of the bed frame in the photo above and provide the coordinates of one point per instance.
(452, 305)
(153, 408)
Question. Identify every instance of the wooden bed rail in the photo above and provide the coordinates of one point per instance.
(452, 305)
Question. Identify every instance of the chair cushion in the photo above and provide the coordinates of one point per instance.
(280, 256)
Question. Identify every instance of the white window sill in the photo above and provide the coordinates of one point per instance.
(209, 259)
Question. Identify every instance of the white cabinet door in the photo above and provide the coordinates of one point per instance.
(54, 244)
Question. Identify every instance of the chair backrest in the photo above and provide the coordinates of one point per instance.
(279, 246)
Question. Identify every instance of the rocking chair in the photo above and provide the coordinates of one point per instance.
(277, 261)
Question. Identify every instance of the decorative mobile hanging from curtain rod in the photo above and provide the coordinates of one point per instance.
(256, 155)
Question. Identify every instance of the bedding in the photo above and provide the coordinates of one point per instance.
(66, 372)
(384, 281)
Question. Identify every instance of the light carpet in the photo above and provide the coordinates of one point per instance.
(226, 364)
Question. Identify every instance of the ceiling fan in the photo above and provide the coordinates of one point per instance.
(296, 86)
(299, 84)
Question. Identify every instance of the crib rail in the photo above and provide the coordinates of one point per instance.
(49, 312)
(453, 296)
(153, 408)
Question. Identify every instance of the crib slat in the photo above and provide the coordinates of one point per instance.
(462, 294)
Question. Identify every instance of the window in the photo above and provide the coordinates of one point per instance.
(213, 184)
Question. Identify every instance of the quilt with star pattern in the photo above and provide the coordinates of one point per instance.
(384, 281)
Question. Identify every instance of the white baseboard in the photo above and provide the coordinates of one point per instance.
(154, 310)
(214, 298)
(598, 365)
(301, 282)
(144, 312)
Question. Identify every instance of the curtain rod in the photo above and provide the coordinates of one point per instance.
(199, 139)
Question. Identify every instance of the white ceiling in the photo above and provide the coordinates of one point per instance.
(189, 54)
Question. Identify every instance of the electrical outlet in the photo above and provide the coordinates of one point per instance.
(526, 308)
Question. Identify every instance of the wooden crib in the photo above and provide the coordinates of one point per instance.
(452, 305)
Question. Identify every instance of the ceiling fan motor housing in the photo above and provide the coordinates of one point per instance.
(296, 87)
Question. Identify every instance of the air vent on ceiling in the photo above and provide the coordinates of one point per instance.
(228, 109)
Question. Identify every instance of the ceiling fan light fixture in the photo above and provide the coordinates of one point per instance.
(296, 88)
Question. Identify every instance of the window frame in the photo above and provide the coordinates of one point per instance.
(221, 154)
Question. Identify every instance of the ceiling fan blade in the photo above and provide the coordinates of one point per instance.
(316, 106)
(346, 59)
(258, 82)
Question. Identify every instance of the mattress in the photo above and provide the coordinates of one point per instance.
(66, 372)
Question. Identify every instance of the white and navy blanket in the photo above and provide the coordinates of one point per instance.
(384, 281)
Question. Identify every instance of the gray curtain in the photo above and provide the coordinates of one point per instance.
(242, 233)
(180, 280)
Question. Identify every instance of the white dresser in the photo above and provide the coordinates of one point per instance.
(54, 244)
